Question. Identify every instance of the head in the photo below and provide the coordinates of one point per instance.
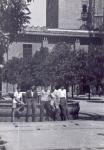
(45, 88)
(62, 87)
(52, 88)
(18, 89)
(33, 88)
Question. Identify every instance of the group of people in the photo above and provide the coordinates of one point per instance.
(52, 103)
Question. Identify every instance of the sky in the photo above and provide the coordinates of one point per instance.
(38, 13)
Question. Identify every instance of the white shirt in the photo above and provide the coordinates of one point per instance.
(56, 93)
(18, 95)
(45, 95)
(62, 93)
(56, 98)
(32, 94)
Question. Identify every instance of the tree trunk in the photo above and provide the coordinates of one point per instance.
(7, 86)
(89, 94)
(13, 88)
(72, 91)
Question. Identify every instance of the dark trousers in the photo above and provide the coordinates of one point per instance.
(51, 112)
(43, 107)
(39, 99)
(63, 108)
(31, 109)
(57, 114)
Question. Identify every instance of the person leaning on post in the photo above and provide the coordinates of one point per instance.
(31, 100)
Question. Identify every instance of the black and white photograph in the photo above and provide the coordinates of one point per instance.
(51, 74)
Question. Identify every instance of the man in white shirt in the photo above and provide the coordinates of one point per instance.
(62, 93)
(63, 103)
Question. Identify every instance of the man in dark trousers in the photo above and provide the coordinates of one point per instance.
(31, 100)
(63, 103)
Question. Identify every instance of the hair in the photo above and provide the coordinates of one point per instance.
(33, 87)
(18, 88)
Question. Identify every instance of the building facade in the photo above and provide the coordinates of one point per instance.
(66, 14)
(34, 38)
(99, 13)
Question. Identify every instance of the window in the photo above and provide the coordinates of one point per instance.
(27, 50)
(99, 7)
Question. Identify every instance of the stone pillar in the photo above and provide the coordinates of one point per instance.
(77, 44)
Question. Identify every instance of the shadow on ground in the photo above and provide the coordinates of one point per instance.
(88, 116)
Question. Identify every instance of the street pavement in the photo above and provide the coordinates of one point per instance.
(86, 133)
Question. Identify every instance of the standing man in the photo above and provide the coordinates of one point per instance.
(56, 97)
(39, 94)
(31, 100)
(44, 103)
(63, 103)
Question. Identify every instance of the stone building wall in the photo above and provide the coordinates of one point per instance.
(16, 49)
(70, 14)
(66, 14)
(63, 14)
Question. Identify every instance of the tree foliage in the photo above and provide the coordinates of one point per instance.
(14, 15)
(62, 66)
(26, 71)
(11, 70)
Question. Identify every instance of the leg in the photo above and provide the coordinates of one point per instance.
(41, 110)
(63, 109)
(57, 114)
(28, 109)
(47, 109)
(13, 115)
(33, 110)
(64, 113)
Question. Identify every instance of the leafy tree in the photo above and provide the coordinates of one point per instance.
(96, 63)
(54, 67)
(11, 70)
(65, 66)
(26, 71)
(37, 66)
(14, 15)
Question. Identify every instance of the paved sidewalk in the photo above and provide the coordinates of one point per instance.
(72, 135)
(87, 133)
